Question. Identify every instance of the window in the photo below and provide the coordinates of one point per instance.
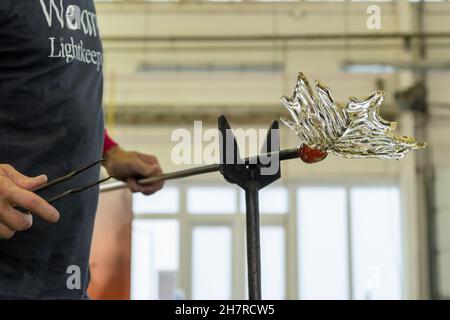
(272, 200)
(211, 200)
(349, 243)
(164, 201)
(154, 262)
(273, 274)
(376, 243)
(211, 267)
(322, 248)
(273, 266)
(317, 242)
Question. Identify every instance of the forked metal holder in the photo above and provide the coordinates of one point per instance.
(251, 174)
(250, 178)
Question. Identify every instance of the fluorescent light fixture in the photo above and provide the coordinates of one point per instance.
(390, 67)
(352, 67)
(146, 67)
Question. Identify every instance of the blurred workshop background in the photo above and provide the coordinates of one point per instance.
(339, 229)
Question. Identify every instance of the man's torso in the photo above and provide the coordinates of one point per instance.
(50, 122)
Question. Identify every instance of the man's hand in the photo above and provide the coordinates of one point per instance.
(127, 165)
(15, 192)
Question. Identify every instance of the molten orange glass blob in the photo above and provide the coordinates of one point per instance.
(310, 155)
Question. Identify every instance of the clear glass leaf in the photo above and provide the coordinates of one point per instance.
(354, 131)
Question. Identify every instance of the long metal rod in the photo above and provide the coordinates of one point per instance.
(167, 176)
(69, 175)
(253, 243)
(283, 154)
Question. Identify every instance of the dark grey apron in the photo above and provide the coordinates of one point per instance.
(51, 121)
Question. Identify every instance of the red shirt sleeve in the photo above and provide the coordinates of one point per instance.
(108, 143)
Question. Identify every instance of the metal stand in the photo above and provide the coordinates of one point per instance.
(250, 178)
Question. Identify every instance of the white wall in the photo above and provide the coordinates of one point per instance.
(234, 19)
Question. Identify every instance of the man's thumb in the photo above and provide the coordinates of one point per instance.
(31, 183)
(143, 169)
(22, 180)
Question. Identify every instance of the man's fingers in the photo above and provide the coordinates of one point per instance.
(154, 170)
(145, 189)
(5, 232)
(22, 180)
(144, 169)
(149, 190)
(32, 202)
(132, 185)
(148, 158)
(14, 219)
(128, 166)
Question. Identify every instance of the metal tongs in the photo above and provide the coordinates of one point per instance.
(68, 176)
